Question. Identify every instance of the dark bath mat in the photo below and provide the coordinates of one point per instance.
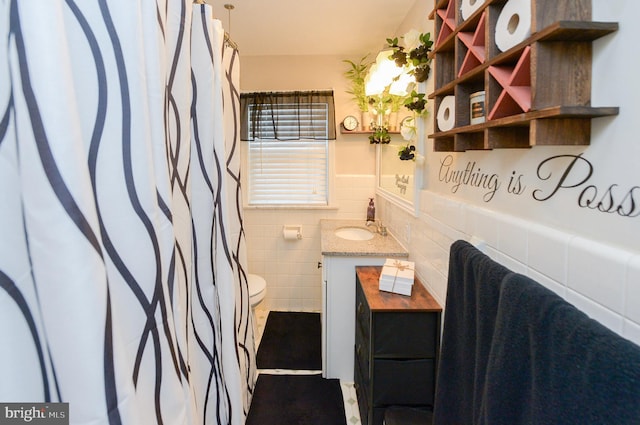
(296, 400)
(291, 340)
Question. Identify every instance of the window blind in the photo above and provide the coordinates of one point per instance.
(287, 136)
(287, 115)
(291, 173)
(289, 121)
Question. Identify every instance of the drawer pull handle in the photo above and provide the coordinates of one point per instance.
(360, 307)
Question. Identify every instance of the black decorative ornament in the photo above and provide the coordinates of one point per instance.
(407, 153)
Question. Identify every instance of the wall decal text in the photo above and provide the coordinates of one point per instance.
(554, 175)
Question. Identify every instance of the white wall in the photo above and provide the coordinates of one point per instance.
(290, 268)
(590, 257)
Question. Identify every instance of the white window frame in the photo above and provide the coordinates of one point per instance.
(260, 154)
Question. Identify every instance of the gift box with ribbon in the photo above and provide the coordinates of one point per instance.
(397, 276)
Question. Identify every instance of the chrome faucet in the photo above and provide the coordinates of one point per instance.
(380, 228)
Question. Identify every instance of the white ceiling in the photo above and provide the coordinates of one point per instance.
(311, 27)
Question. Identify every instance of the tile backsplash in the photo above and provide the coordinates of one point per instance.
(291, 267)
(600, 279)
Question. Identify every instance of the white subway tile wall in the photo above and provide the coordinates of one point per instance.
(547, 282)
(545, 243)
(291, 267)
(632, 297)
(512, 236)
(631, 330)
(601, 280)
(595, 310)
(598, 272)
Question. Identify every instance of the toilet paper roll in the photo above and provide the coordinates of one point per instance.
(468, 7)
(291, 233)
(446, 117)
(514, 24)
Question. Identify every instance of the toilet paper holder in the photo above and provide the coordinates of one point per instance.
(292, 231)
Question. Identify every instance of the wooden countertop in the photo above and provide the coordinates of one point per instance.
(420, 299)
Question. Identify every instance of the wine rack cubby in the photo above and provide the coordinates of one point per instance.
(537, 92)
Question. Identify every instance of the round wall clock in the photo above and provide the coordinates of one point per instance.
(350, 123)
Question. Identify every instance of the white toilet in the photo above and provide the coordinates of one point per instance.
(257, 289)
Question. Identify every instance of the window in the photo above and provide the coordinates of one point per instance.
(287, 153)
(282, 172)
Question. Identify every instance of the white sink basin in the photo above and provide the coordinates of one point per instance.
(354, 233)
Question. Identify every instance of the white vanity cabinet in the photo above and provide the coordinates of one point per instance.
(339, 260)
(338, 312)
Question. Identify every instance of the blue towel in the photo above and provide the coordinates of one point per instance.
(471, 307)
(551, 364)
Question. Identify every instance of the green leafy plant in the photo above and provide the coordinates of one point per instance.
(409, 132)
(386, 102)
(416, 102)
(396, 102)
(415, 54)
(356, 74)
(399, 56)
(380, 135)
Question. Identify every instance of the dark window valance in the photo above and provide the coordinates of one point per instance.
(287, 115)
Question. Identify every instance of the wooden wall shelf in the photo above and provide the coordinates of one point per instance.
(343, 131)
(537, 92)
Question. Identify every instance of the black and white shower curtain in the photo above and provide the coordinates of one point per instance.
(123, 284)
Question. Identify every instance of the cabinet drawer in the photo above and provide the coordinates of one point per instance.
(408, 382)
(405, 334)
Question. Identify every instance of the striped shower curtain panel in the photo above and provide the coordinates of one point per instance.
(123, 287)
